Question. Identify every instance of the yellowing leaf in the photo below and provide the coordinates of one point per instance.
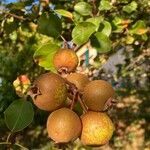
(64, 13)
(142, 31)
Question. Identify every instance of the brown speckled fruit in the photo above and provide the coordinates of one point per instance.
(63, 125)
(65, 59)
(52, 91)
(96, 93)
(80, 80)
(97, 128)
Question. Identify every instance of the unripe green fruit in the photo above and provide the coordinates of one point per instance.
(97, 128)
(80, 80)
(63, 125)
(52, 91)
(96, 93)
(65, 59)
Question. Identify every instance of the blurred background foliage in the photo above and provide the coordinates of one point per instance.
(126, 66)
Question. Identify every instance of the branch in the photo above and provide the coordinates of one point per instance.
(15, 16)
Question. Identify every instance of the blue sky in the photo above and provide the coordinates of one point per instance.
(9, 1)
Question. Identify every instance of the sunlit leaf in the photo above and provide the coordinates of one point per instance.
(82, 32)
(130, 7)
(64, 13)
(119, 24)
(96, 21)
(83, 8)
(44, 55)
(105, 5)
(105, 28)
(49, 24)
(139, 28)
(101, 42)
(19, 115)
(77, 17)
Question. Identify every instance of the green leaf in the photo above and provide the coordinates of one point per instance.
(101, 42)
(82, 32)
(77, 17)
(105, 5)
(144, 37)
(130, 7)
(64, 13)
(118, 25)
(138, 28)
(49, 24)
(83, 8)
(19, 115)
(105, 28)
(44, 55)
(96, 21)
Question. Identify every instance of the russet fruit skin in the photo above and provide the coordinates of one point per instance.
(80, 80)
(97, 128)
(65, 58)
(53, 91)
(63, 125)
(96, 93)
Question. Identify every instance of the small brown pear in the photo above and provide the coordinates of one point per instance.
(63, 125)
(65, 59)
(80, 80)
(97, 128)
(96, 93)
(51, 91)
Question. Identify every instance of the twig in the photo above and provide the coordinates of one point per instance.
(8, 137)
(63, 38)
(65, 42)
(94, 7)
(15, 16)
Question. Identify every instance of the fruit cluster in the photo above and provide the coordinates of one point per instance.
(50, 92)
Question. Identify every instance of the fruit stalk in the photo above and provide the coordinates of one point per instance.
(82, 104)
(75, 91)
(74, 99)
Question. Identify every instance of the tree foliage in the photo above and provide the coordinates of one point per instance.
(32, 31)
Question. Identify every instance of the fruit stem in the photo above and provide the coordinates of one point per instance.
(71, 85)
(75, 96)
(84, 107)
(65, 42)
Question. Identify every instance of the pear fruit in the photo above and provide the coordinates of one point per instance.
(51, 91)
(97, 128)
(79, 80)
(96, 93)
(65, 59)
(63, 125)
